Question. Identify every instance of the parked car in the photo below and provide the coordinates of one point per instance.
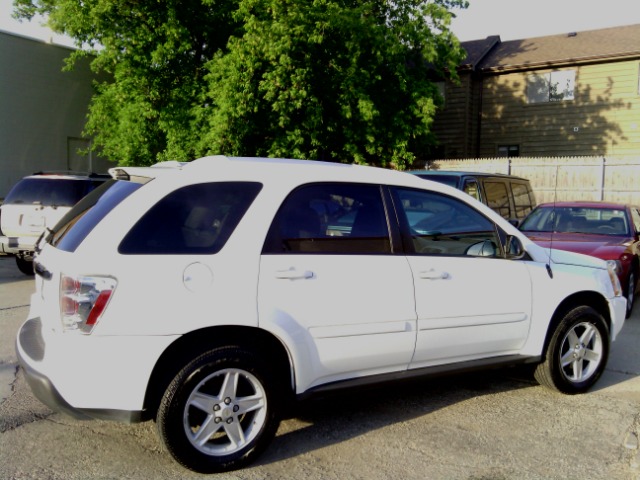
(35, 203)
(510, 196)
(603, 229)
(210, 295)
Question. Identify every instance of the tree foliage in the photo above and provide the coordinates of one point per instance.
(341, 80)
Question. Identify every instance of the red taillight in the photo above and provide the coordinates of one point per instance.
(99, 306)
(83, 300)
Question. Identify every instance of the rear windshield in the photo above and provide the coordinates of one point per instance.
(74, 227)
(48, 192)
(196, 219)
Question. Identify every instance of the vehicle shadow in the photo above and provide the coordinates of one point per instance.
(337, 417)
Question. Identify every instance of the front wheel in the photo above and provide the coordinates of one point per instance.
(220, 411)
(577, 352)
(631, 292)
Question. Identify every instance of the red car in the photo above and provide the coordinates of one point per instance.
(600, 229)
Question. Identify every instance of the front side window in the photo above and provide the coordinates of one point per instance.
(331, 218)
(196, 219)
(442, 225)
(551, 87)
(498, 197)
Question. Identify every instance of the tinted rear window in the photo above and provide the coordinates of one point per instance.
(74, 227)
(48, 192)
(196, 219)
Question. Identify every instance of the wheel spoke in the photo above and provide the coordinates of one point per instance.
(592, 356)
(573, 339)
(234, 432)
(206, 431)
(249, 404)
(588, 334)
(230, 385)
(567, 358)
(203, 402)
(577, 369)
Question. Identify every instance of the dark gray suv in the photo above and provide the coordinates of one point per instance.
(510, 196)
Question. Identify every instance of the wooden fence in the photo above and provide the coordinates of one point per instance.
(615, 179)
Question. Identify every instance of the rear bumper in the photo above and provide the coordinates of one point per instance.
(30, 349)
(23, 246)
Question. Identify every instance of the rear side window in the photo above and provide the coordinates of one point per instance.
(196, 219)
(331, 218)
(498, 197)
(523, 199)
(48, 192)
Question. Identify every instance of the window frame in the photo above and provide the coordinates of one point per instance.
(535, 95)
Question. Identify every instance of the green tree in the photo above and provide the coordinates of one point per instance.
(341, 80)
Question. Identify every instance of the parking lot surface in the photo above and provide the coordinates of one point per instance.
(494, 425)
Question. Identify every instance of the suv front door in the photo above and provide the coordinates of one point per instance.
(471, 301)
(331, 283)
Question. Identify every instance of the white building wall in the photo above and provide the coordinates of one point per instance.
(42, 110)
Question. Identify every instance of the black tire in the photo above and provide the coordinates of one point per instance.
(631, 291)
(25, 266)
(228, 393)
(577, 352)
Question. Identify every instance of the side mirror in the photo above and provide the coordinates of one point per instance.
(514, 248)
(482, 249)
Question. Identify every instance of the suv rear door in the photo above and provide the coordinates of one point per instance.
(332, 284)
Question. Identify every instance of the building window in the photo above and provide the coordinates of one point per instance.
(555, 86)
(508, 150)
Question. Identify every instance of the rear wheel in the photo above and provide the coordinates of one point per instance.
(577, 353)
(220, 412)
(25, 266)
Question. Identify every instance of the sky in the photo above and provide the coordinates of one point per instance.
(511, 19)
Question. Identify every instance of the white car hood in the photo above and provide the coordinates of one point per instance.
(565, 258)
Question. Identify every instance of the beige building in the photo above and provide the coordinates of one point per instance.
(42, 110)
(562, 95)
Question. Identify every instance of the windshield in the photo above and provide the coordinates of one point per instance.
(587, 220)
(48, 192)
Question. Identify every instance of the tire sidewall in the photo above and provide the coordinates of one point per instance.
(574, 317)
(171, 411)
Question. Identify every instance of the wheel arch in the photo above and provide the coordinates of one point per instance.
(194, 343)
(587, 298)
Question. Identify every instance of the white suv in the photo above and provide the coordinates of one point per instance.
(37, 202)
(209, 295)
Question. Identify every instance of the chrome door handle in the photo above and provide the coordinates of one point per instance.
(434, 275)
(293, 274)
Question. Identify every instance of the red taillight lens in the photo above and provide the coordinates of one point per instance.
(83, 300)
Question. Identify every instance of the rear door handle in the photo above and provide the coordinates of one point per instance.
(434, 275)
(293, 274)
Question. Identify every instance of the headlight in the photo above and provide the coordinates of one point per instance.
(613, 266)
